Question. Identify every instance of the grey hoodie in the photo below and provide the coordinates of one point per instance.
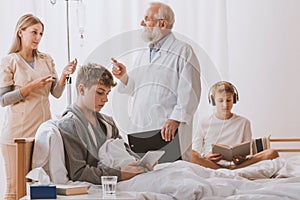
(81, 153)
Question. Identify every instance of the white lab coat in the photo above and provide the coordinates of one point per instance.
(169, 87)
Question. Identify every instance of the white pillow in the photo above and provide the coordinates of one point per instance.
(48, 152)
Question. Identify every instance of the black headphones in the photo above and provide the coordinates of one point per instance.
(211, 99)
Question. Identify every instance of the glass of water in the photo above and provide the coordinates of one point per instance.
(109, 184)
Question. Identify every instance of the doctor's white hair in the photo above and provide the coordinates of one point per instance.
(164, 12)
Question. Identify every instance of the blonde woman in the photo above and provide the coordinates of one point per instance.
(27, 77)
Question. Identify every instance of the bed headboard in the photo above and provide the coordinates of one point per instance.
(24, 155)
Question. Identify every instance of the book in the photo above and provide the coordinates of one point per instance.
(71, 189)
(228, 152)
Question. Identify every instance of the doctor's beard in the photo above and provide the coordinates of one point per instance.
(152, 36)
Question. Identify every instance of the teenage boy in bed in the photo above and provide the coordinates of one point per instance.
(84, 130)
(225, 127)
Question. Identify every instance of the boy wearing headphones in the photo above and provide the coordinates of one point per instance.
(225, 127)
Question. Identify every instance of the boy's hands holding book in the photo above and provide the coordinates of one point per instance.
(238, 159)
(215, 157)
(236, 153)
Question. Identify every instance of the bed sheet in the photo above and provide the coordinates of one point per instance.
(187, 181)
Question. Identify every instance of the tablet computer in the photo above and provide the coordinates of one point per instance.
(151, 157)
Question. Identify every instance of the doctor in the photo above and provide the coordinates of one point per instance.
(164, 84)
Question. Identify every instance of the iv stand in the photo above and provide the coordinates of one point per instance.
(69, 78)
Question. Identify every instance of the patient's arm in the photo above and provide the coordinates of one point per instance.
(131, 170)
(197, 159)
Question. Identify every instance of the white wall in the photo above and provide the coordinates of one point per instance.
(264, 52)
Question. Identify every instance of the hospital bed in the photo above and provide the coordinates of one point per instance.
(24, 157)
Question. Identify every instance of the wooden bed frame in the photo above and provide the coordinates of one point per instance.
(24, 154)
(25, 149)
(282, 140)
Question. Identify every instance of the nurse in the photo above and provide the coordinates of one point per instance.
(27, 77)
(164, 84)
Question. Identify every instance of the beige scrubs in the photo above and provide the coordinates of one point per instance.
(23, 118)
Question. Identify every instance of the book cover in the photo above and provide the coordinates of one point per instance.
(228, 152)
(71, 189)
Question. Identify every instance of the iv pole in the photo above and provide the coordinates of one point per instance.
(69, 78)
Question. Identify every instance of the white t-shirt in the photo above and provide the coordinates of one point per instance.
(235, 130)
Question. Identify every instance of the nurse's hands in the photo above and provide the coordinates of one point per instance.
(36, 84)
(169, 129)
(70, 68)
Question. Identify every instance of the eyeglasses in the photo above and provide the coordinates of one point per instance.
(145, 20)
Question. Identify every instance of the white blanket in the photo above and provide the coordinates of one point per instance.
(187, 181)
(183, 180)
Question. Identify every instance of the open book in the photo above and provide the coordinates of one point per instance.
(228, 152)
(71, 189)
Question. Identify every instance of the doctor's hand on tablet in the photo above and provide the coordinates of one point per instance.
(169, 129)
